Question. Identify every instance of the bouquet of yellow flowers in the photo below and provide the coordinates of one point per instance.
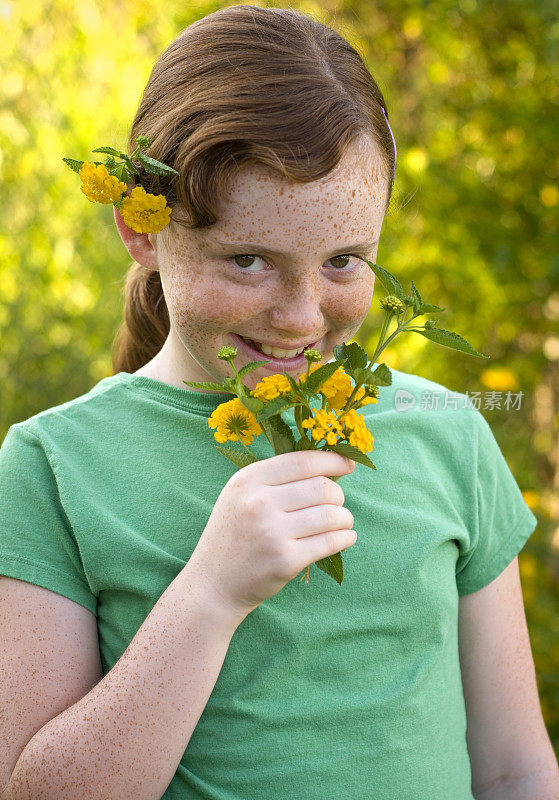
(342, 386)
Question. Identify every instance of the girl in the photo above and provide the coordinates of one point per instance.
(166, 649)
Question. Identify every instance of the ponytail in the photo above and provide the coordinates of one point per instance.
(146, 320)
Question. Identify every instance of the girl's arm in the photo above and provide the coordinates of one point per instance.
(507, 739)
(126, 737)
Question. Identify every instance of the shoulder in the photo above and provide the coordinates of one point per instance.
(95, 404)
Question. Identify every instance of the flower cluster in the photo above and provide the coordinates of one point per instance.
(144, 212)
(98, 186)
(234, 422)
(351, 426)
(338, 388)
(271, 387)
(103, 183)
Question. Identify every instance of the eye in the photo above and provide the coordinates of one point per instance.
(244, 266)
(342, 267)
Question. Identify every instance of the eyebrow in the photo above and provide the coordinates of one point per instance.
(247, 247)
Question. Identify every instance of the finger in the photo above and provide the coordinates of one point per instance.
(297, 466)
(313, 548)
(306, 493)
(318, 519)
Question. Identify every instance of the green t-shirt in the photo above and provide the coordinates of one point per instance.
(326, 691)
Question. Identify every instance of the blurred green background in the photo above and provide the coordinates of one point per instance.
(473, 106)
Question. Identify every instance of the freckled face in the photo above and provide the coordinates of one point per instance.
(319, 289)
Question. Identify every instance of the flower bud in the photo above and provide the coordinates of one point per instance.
(392, 303)
(312, 354)
(371, 390)
(143, 141)
(429, 323)
(226, 353)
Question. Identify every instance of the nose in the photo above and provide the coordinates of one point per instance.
(298, 313)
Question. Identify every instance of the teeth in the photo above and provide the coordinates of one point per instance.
(277, 353)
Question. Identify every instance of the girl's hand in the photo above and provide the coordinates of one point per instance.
(272, 519)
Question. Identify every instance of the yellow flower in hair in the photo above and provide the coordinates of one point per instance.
(234, 422)
(271, 387)
(145, 213)
(98, 186)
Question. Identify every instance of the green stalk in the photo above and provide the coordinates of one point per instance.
(384, 329)
(396, 332)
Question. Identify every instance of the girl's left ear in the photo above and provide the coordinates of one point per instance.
(139, 245)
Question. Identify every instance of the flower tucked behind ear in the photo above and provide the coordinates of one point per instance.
(98, 186)
(145, 213)
(103, 183)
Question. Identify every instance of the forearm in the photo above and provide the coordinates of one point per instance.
(126, 737)
(543, 786)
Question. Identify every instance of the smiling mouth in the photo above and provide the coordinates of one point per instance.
(275, 352)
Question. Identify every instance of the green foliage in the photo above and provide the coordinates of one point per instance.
(472, 220)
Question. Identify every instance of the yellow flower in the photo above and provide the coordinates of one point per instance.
(145, 213)
(324, 425)
(98, 186)
(234, 422)
(336, 389)
(271, 387)
(359, 434)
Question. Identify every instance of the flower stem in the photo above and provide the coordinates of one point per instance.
(383, 331)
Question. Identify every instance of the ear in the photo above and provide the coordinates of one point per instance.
(139, 245)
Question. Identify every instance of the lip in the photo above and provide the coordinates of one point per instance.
(274, 364)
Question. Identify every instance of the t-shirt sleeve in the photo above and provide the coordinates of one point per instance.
(501, 523)
(37, 543)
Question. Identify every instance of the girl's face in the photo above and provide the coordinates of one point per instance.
(282, 266)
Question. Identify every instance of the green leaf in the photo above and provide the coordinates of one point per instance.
(333, 566)
(120, 171)
(382, 376)
(352, 355)
(275, 406)
(416, 298)
(252, 404)
(109, 150)
(304, 443)
(450, 339)
(239, 457)
(249, 367)
(206, 385)
(349, 451)
(73, 164)
(280, 434)
(131, 166)
(294, 387)
(318, 377)
(427, 308)
(389, 281)
(155, 167)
